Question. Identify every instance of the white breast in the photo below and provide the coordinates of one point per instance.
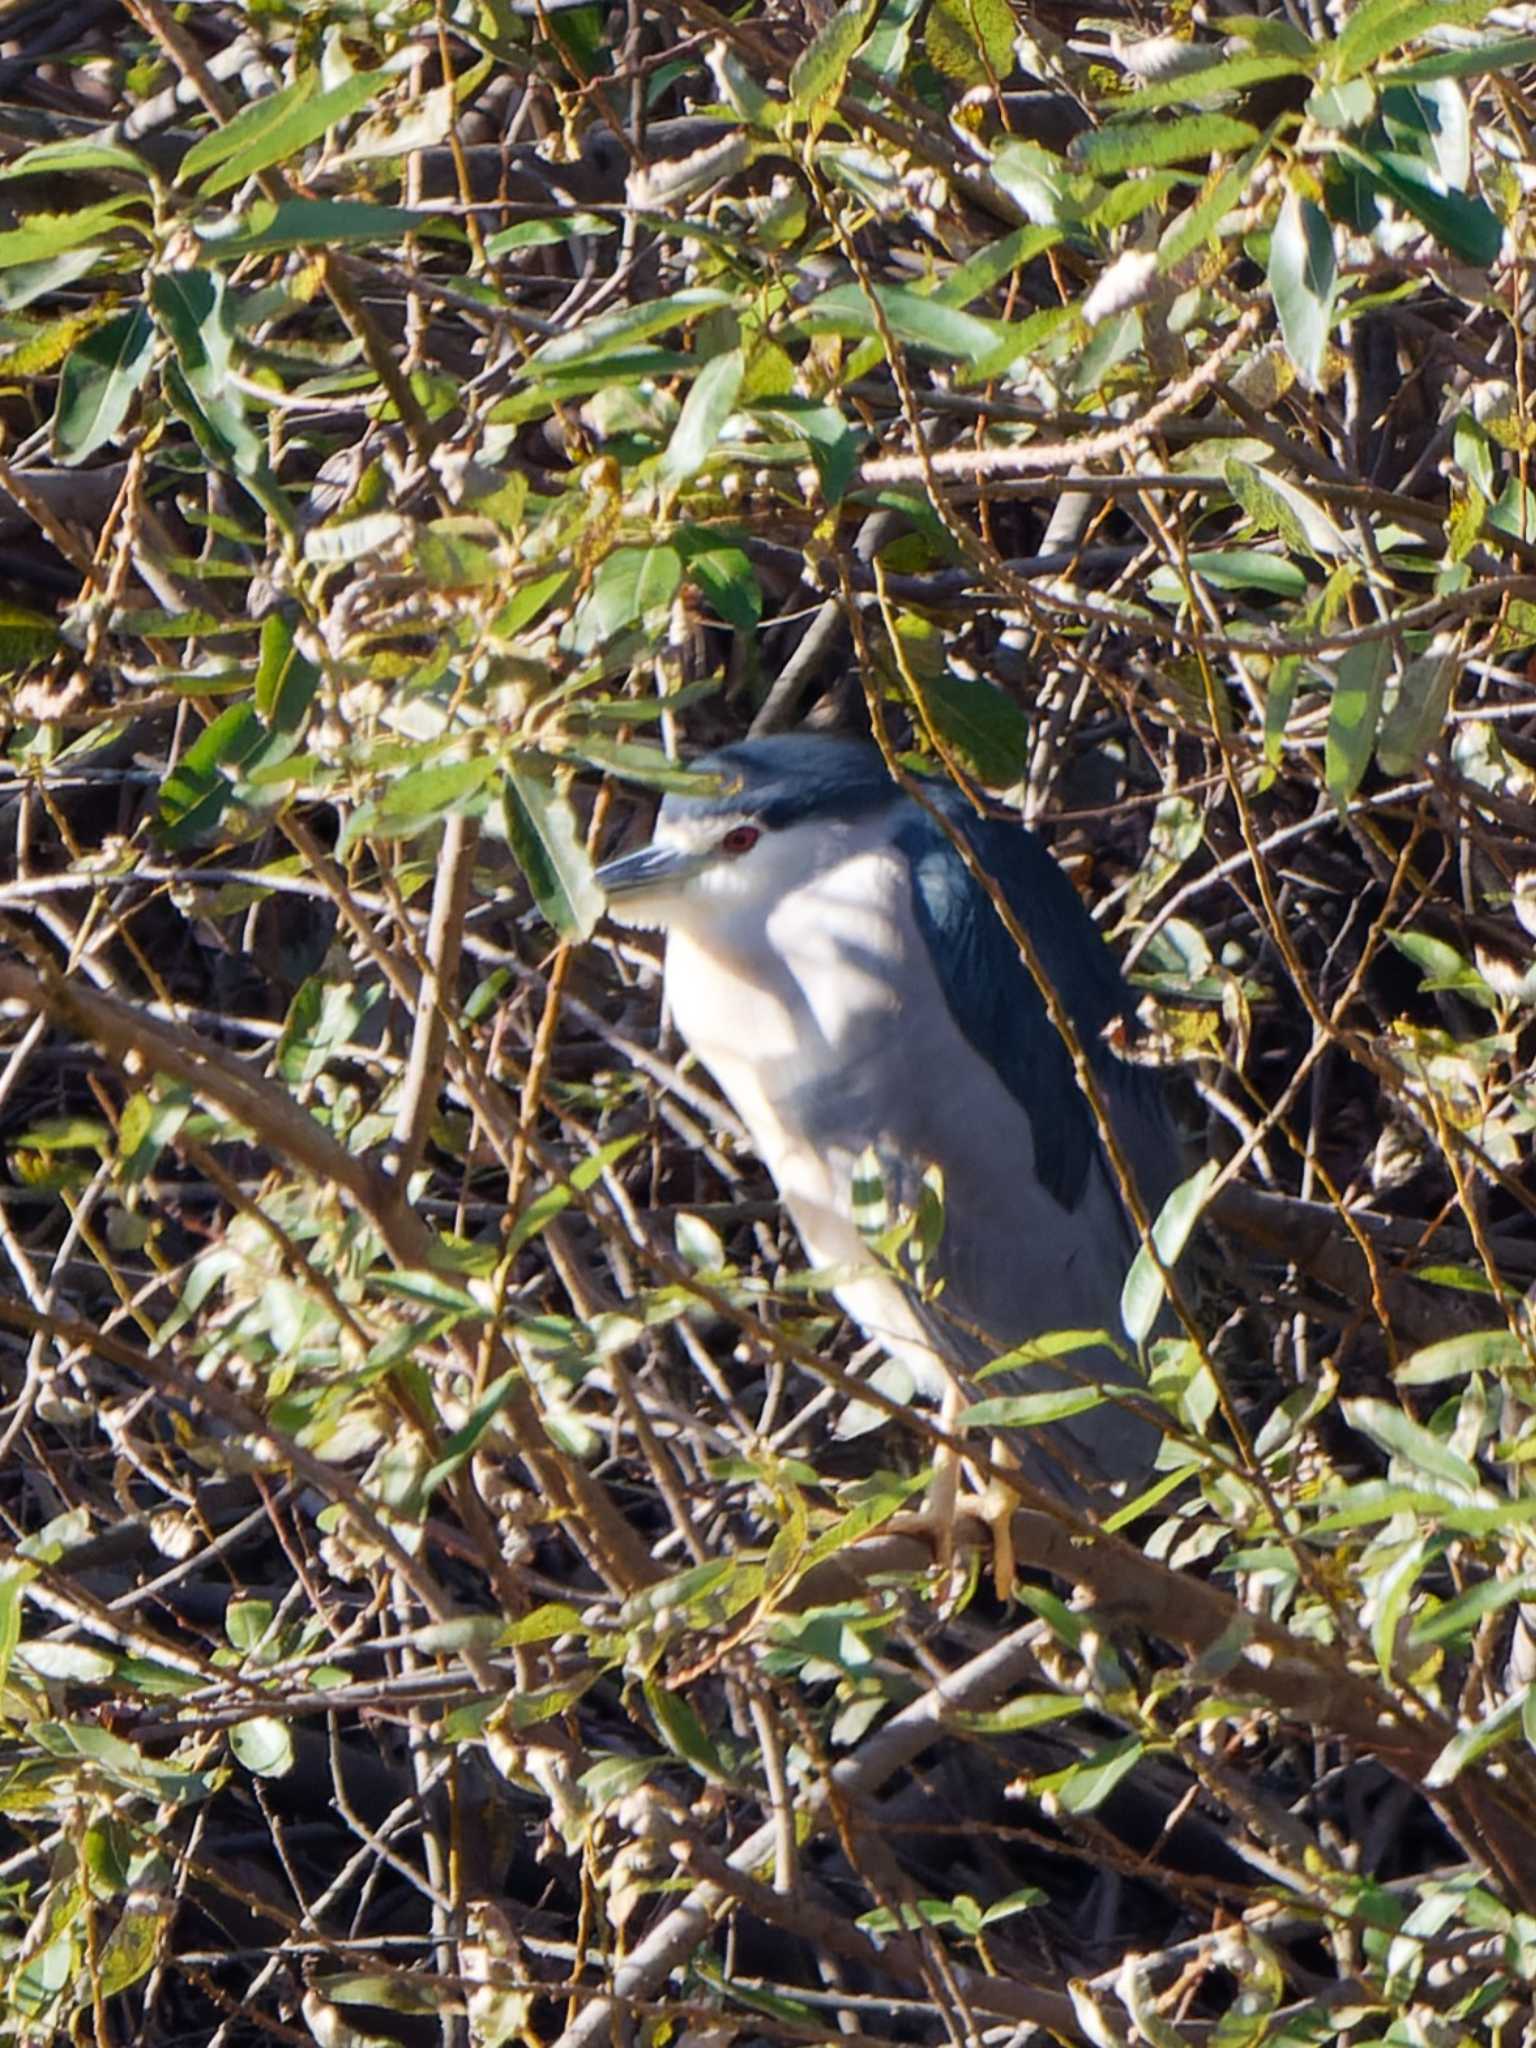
(798, 1018)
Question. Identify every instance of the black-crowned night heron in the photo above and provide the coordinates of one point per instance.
(853, 991)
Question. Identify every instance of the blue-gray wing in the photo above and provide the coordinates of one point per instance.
(994, 1001)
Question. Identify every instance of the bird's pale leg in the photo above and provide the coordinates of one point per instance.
(941, 1509)
(992, 1505)
(997, 1506)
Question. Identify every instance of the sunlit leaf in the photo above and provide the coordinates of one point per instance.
(1218, 79)
(818, 72)
(271, 131)
(100, 381)
(1359, 683)
(1490, 1351)
(710, 402)
(1466, 227)
(610, 332)
(1303, 277)
(1139, 145)
(970, 41)
(542, 832)
(1378, 27)
(1142, 1296)
(322, 223)
(40, 237)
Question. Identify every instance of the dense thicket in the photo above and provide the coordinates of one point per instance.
(436, 1595)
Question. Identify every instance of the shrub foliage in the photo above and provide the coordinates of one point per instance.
(437, 1595)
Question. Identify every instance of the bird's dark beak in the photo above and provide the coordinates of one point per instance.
(654, 869)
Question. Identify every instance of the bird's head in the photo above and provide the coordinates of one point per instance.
(780, 811)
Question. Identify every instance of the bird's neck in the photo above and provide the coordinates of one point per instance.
(802, 993)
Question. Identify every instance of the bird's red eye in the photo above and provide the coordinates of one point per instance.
(740, 839)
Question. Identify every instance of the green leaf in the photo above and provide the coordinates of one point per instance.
(888, 1491)
(1415, 713)
(192, 307)
(1000, 259)
(1303, 279)
(1141, 1298)
(970, 41)
(1139, 145)
(1031, 1411)
(274, 129)
(451, 554)
(538, 234)
(247, 127)
(423, 796)
(99, 382)
(963, 1914)
(1040, 1350)
(1499, 1727)
(1343, 107)
(1381, 26)
(1468, 228)
(1410, 1444)
(634, 761)
(709, 404)
(195, 793)
(682, 1731)
(146, 1126)
(27, 638)
(1130, 197)
(248, 1625)
(1442, 965)
(890, 39)
(54, 158)
(1218, 78)
(917, 321)
(392, 1993)
(351, 540)
(40, 346)
(630, 585)
(1200, 224)
(460, 1446)
(286, 679)
(543, 1625)
(1276, 505)
(1495, 1352)
(264, 1745)
(726, 577)
(1024, 1710)
(323, 1017)
(1359, 681)
(1083, 1787)
(832, 442)
(1464, 1279)
(542, 832)
(817, 76)
(25, 282)
(1049, 192)
(65, 1663)
(1392, 1590)
(1503, 53)
(982, 723)
(40, 237)
(1232, 569)
(1459, 1616)
(611, 332)
(553, 1201)
(322, 223)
